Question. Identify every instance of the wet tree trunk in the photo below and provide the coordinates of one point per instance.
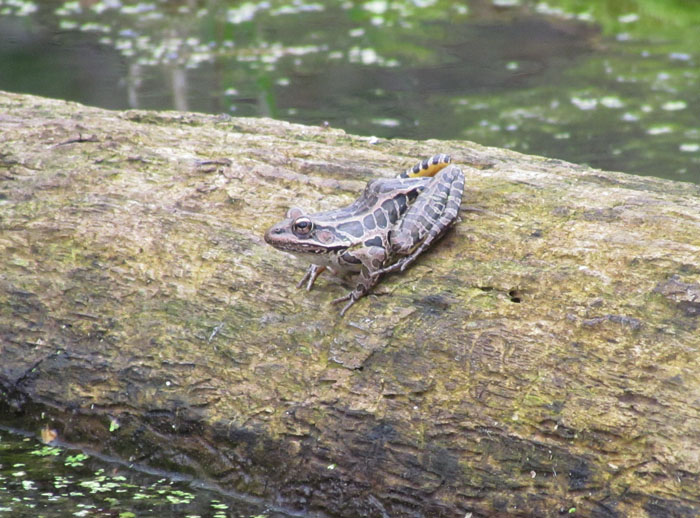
(542, 359)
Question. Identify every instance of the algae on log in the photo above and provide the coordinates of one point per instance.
(543, 358)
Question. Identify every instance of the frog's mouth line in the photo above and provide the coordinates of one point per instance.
(311, 248)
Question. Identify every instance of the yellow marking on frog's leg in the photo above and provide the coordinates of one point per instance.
(311, 274)
(428, 167)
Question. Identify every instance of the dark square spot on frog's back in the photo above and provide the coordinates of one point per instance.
(379, 217)
(354, 228)
(413, 194)
(401, 203)
(390, 208)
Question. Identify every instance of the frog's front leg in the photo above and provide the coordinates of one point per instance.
(311, 275)
(435, 210)
(371, 258)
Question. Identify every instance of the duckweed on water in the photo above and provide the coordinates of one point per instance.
(44, 481)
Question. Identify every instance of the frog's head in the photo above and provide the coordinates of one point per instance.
(300, 234)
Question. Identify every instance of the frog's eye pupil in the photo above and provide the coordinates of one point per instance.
(303, 226)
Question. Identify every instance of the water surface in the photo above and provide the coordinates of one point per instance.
(612, 84)
(38, 480)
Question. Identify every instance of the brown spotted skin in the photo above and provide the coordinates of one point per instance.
(384, 230)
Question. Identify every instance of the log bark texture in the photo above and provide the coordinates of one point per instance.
(542, 359)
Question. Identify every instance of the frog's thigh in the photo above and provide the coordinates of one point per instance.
(435, 209)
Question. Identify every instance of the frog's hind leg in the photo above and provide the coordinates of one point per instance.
(435, 210)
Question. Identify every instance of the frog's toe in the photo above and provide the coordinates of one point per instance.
(343, 298)
(350, 297)
(310, 277)
(346, 307)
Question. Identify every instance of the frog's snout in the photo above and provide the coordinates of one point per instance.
(273, 234)
(268, 235)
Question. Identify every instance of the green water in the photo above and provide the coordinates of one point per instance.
(41, 481)
(612, 84)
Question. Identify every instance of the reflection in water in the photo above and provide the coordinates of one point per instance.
(178, 82)
(134, 80)
(535, 77)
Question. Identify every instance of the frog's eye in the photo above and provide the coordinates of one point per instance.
(302, 226)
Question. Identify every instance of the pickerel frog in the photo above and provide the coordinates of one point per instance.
(384, 230)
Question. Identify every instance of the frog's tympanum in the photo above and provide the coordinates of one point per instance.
(384, 230)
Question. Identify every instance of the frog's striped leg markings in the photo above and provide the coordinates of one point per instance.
(435, 211)
(428, 167)
(311, 275)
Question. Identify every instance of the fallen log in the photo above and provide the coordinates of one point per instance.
(542, 359)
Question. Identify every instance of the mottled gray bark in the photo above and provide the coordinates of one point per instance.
(542, 359)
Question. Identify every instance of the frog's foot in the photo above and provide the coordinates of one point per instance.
(351, 297)
(310, 276)
(365, 283)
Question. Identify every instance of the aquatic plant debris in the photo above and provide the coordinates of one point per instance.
(54, 481)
